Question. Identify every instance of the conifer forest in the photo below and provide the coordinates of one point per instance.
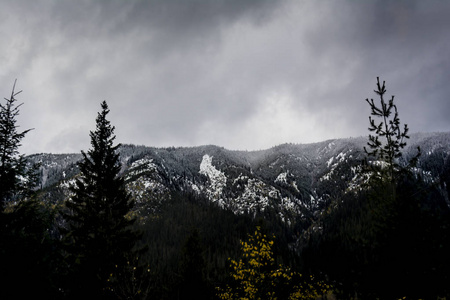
(357, 218)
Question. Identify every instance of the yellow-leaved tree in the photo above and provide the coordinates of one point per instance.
(256, 275)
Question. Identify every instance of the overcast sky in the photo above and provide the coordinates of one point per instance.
(241, 74)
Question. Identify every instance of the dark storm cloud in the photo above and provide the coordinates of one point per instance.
(240, 74)
(404, 42)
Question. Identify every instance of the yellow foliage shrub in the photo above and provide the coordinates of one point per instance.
(256, 276)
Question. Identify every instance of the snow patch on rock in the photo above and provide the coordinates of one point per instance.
(216, 180)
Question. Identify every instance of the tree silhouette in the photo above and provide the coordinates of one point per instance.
(16, 179)
(389, 139)
(99, 233)
(25, 245)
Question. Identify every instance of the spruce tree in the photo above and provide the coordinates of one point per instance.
(16, 179)
(25, 245)
(99, 233)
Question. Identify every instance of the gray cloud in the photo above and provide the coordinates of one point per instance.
(240, 74)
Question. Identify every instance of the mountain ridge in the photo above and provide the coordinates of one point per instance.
(295, 180)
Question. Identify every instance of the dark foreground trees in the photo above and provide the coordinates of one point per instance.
(25, 244)
(390, 238)
(99, 237)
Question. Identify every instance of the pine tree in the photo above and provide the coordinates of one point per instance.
(389, 139)
(99, 233)
(16, 179)
(393, 202)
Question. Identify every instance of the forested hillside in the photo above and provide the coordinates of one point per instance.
(307, 195)
(296, 180)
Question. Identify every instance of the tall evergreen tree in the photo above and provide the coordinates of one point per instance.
(99, 233)
(25, 244)
(15, 178)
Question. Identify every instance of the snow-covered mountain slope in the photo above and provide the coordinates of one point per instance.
(293, 180)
